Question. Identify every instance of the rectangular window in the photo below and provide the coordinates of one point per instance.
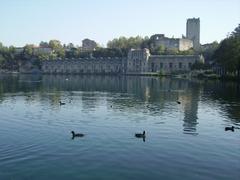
(161, 65)
(170, 65)
(152, 67)
(189, 65)
(180, 65)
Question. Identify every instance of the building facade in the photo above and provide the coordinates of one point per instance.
(139, 61)
(172, 63)
(180, 44)
(85, 66)
(193, 31)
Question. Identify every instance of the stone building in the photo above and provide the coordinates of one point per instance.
(193, 32)
(88, 45)
(172, 63)
(36, 50)
(139, 61)
(42, 50)
(19, 50)
(85, 66)
(180, 44)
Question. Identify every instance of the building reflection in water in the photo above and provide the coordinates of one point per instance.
(127, 93)
(189, 103)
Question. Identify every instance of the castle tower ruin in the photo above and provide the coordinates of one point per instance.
(193, 31)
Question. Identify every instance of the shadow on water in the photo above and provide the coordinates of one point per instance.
(228, 95)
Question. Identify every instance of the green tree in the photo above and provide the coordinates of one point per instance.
(55, 44)
(57, 48)
(42, 56)
(28, 50)
(160, 50)
(127, 43)
(208, 51)
(236, 32)
(171, 51)
(2, 61)
(228, 52)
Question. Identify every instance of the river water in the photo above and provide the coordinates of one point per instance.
(183, 141)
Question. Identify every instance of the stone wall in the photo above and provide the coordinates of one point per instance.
(85, 66)
(137, 61)
(185, 44)
(172, 63)
(180, 44)
(141, 62)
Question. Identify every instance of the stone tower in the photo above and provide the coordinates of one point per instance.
(193, 31)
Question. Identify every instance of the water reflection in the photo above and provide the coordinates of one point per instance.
(190, 105)
(148, 95)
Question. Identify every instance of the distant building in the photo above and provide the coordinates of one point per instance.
(18, 50)
(36, 50)
(84, 66)
(88, 45)
(180, 44)
(42, 50)
(193, 31)
(139, 61)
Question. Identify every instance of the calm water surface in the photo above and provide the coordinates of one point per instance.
(183, 141)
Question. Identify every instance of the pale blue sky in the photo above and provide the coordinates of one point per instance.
(31, 21)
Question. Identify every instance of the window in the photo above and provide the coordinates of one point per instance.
(170, 65)
(189, 65)
(180, 65)
(152, 67)
(161, 65)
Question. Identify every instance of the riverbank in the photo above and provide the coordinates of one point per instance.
(197, 74)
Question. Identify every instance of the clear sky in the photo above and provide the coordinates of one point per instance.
(32, 21)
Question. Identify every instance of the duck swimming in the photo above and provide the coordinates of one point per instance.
(76, 134)
(178, 102)
(61, 103)
(140, 135)
(229, 128)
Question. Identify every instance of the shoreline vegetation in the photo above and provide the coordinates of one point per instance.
(222, 60)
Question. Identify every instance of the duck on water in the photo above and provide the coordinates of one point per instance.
(76, 134)
(229, 128)
(61, 103)
(141, 135)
